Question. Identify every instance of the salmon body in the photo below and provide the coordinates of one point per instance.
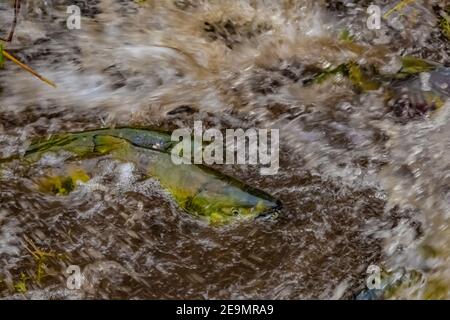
(197, 189)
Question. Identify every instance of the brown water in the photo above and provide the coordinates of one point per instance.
(358, 186)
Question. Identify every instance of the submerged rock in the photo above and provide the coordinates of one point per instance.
(390, 283)
(420, 93)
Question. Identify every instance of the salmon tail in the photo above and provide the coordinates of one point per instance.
(47, 144)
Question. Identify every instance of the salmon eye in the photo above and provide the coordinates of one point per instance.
(235, 212)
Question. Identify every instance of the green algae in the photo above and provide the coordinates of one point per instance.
(39, 267)
(361, 81)
(2, 57)
(21, 285)
(444, 23)
(412, 65)
(64, 184)
(436, 290)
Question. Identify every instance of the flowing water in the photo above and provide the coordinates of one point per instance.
(359, 186)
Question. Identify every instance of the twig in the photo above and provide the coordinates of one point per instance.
(36, 252)
(17, 4)
(27, 68)
(402, 4)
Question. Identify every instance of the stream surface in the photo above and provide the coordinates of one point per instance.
(359, 186)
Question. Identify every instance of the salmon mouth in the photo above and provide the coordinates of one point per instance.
(272, 213)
